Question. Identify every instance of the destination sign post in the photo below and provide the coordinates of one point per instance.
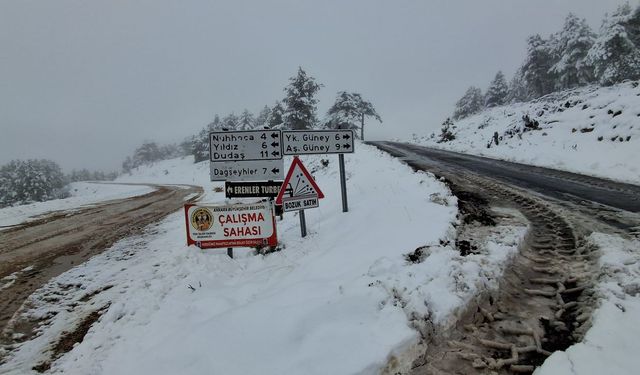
(245, 145)
(305, 142)
(301, 142)
(259, 170)
(252, 155)
(252, 166)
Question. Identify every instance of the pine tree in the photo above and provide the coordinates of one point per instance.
(537, 66)
(31, 181)
(471, 103)
(349, 112)
(246, 120)
(147, 153)
(446, 132)
(200, 149)
(517, 88)
(498, 91)
(230, 122)
(215, 125)
(275, 119)
(300, 102)
(615, 55)
(572, 46)
(262, 118)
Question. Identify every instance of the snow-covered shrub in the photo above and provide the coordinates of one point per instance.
(31, 181)
(447, 133)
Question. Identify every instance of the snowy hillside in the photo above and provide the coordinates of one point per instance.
(593, 130)
(343, 300)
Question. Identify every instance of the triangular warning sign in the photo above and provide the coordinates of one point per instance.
(298, 182)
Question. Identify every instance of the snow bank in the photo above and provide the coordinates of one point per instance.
(610, 346)
(593, 131)
(82, 194)
(340, 301)
(180, 171)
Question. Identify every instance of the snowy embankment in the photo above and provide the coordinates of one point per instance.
(593, 131)
(82, 194)
(610, 346)
(343, 300)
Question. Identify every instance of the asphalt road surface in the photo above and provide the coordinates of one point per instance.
(44, 248)
(560, 185)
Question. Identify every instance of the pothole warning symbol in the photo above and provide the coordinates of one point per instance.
(299, 190)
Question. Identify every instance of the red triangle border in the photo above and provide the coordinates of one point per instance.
(297, 161)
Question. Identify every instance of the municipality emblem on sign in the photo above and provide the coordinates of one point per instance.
(201, 219)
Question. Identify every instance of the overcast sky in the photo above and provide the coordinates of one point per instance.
(84, 82)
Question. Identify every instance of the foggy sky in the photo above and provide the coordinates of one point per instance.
(85, 82)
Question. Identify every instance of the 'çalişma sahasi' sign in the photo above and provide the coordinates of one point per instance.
(238, 225)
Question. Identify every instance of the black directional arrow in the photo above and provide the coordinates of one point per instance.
(274, 135)
(275, 153)
(346, 136)
(275, 171)
(347, 146)
(275, 144)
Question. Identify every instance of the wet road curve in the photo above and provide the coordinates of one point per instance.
(564, 186)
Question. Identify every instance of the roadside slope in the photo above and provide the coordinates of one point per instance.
(343, 300)
(592, 130)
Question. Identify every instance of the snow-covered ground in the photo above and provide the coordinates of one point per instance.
(343, 300)
(610, 346)
(593, 131)
(82, 194)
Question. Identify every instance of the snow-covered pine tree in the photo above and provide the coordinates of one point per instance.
(446, 132)
(572, 45)
(517, 88)
(262, 118)
(201, 145)
(246, 120)
(275, 119)
(230, 122)
(471, 103)
(147, 153)
(349, 112)
(300, 102)
(127, 164)
(536, 69)
(215, 125)
(633, 27)
(30, 181)
(615, 55)
(497, 92)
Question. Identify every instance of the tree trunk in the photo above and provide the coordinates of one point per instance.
(362, 127)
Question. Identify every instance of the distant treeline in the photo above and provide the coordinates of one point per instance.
(296, 111)
(37, 180)
(573, 57)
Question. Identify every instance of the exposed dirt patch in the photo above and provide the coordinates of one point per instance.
(50, 245)
(69, 339)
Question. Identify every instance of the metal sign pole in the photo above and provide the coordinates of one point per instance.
(230, 252)
(303, 224)
(343, 183)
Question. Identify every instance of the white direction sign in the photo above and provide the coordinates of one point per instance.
(245, 145)
(300, 142)
(261, 170)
